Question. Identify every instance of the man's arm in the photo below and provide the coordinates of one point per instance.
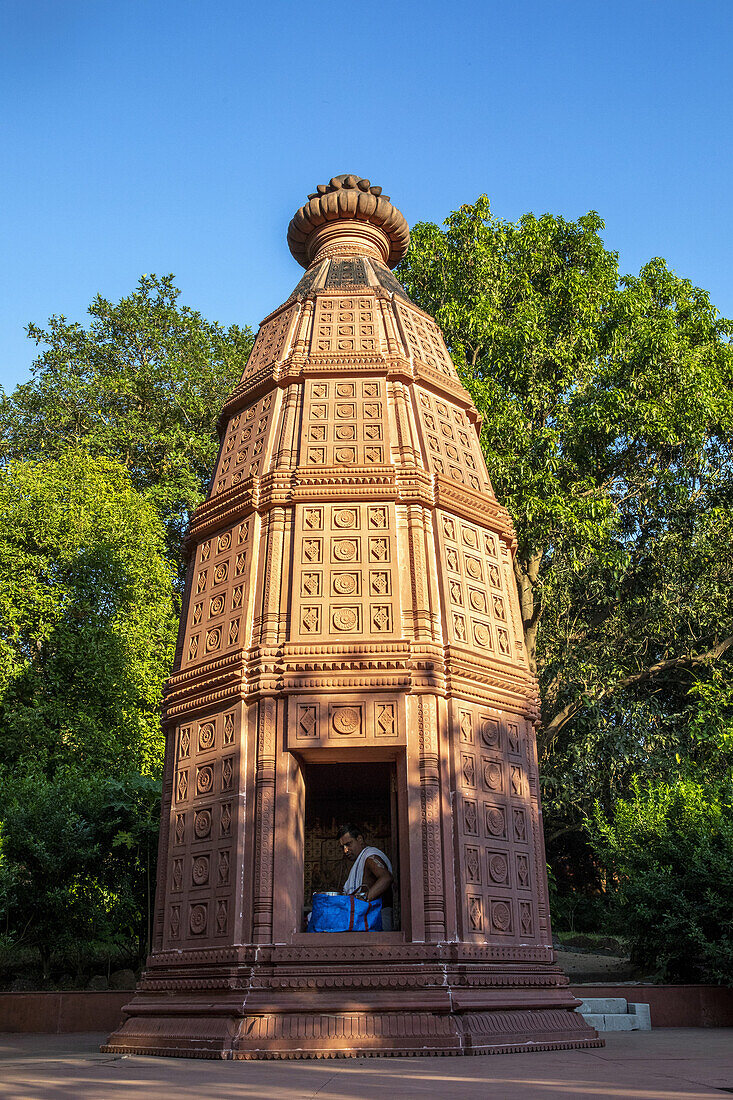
(375, 868)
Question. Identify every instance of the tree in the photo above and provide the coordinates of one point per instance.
(87, 624)
(670, 845)
(144, 384)
(608, 407)
(77, 859)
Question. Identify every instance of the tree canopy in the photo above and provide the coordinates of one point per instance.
(143, 383)
(608, 407)
(87, 624)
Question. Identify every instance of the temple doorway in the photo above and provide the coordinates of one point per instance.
(335, 794)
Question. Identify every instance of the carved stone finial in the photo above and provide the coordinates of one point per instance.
(347, 215)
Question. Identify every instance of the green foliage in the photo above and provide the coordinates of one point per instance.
(670, 846)
(144, 384)
(77, 858)
(608, 411)
(87, 626)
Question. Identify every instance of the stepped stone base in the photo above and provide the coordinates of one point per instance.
(615, 1014)
(410, 1007)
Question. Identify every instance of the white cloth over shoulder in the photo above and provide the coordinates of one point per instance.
(356, 875)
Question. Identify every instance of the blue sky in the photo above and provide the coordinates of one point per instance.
(181, 136)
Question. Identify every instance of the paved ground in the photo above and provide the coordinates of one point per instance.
(694, 1063)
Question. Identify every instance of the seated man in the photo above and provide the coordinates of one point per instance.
(371, 874)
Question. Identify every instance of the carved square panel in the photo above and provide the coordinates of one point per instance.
(311, 583)
(346, 721)
(345, 518)
(204, 780)
(184, 742)
(501, 917)
(475, 914)
(177, 875)
(490, 731)
(468, 769)
(345, 619)
(344, 456)
(345, 549)
(182, 785)
(346, 584)
(470, 817)
(472, 864)
(497, 866)
(381, 618)
(223, 867)
(459, 627)
(526, 923)
(379, 549)
(495, 820)
(477, 600)
(313, 519)
(310, 619)
(307, 724)
(492, 777)
(217, 604)
(318, 433)
(385, 720)
(202, 824)
(519, 822)
(207, 735)
(522, 869)
(200, 869)
(198, 918)
(345, 410)
(344, 433)
(481, 634)
(228, 734)
(311, 551)
(222, 916)
(380, 582)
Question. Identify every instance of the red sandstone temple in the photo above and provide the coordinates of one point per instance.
(350, 648)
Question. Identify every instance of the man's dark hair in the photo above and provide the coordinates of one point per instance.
(354, 831)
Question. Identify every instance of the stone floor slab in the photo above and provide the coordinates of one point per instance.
(689, 1064)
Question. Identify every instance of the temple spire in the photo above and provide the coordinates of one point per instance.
(348, 217)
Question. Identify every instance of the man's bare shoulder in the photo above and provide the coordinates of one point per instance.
(377, 865)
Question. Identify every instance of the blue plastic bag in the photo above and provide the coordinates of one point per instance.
(345, 913)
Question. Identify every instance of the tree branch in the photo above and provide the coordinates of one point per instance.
(550, 732)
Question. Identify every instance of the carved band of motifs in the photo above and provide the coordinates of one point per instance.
(510, 693)
(280, 489)
(294, 370)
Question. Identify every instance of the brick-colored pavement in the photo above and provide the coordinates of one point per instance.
(693, 1063)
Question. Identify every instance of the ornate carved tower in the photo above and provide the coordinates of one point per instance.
(350, 644)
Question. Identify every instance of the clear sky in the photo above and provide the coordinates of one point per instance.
(171, 135)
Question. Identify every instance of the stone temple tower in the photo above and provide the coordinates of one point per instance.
(350, 649)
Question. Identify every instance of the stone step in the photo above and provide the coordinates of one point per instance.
(611, 1021)
(603, 1005)
(615, 1014)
